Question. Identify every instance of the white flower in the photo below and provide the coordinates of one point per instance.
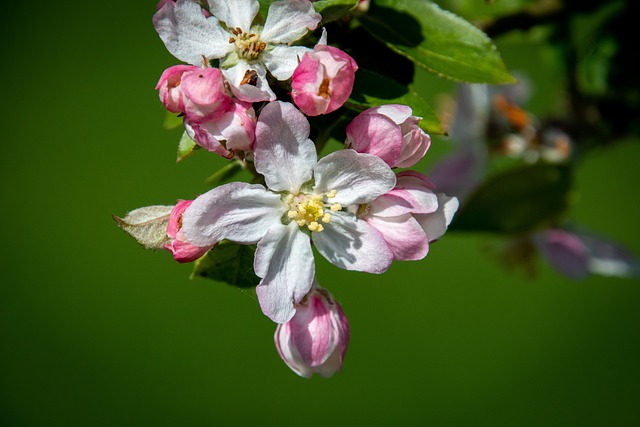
(246, 50)
(306, 200)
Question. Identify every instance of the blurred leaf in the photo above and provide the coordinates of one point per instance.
(171, 120)
(437, 40)
(517, 201)
(230, 263)
(334, 9)
(372, 89)
(148, 225)
(186, 147)
(224, 174)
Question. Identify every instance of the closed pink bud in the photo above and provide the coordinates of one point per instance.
(391, 133)
(323, 80)
(182, 250)
(197, 92)
(315, 340)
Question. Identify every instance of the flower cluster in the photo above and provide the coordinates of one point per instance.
(351, 205)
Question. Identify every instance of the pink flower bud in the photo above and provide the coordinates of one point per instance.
(197, 92)
(182, 250)
(315, 340)
(323, 80)
(391, 133)
(234, 131)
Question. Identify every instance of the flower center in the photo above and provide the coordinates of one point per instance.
(311, 209)
(248, 45)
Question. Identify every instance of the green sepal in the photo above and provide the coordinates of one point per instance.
(171, 120)
(517, 201)
(373, 89)
(230, 263)
(186, 147)
(437, 40)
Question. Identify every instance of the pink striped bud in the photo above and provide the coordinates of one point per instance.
(315, 340)
(391, 133)
(323, 80)
(182, 250)
(197, 92)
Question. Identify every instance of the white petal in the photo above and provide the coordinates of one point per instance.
(188, 35)
(287, 21)
(357, 177)
(284, 260)
(238, 211)
(436, 223)
(283, 153)
(282, 60)
(235, 13)
(353, 244)
(247, 92)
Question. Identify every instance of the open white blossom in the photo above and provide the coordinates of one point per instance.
(245, 48)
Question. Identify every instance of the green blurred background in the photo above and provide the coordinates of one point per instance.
(96, 331)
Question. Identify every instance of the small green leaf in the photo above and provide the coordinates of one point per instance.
(437, 40)
(186, 147)
(171, 120)
(372, 89)
(224, 174)
(148, 225)
(230, 263)
(517, 201)
(332, 10)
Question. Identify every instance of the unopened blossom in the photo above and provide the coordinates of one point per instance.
(232, 132)
(199, 93)
(245, 48)
(304, 200)
(323, 80)
(576, 254)
(182, 250)
(315, 340)
(390, 132)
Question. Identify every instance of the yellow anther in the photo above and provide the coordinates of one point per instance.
(292, 214)
(320, 228)
(326, 218)
(331, 194)
(301, 222)
(313, 226)
(336, 207)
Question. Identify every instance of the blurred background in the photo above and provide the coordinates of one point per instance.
(96, 331)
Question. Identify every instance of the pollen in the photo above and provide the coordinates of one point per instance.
(311, 210)
(248, 45)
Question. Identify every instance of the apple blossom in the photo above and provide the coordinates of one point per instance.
(391, 133)
(305, 200)
(323, 80)
(315, 340)
(182, 250)
(232, 132)
(197, 92)
(246, 50)
(410, 216)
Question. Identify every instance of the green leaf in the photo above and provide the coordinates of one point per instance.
(148, 225)
(171, 120)
(517, 201)
(332, 10)
(437, 40)
(224, 174)
(230, 263)
(186, 147)
(372, 89)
